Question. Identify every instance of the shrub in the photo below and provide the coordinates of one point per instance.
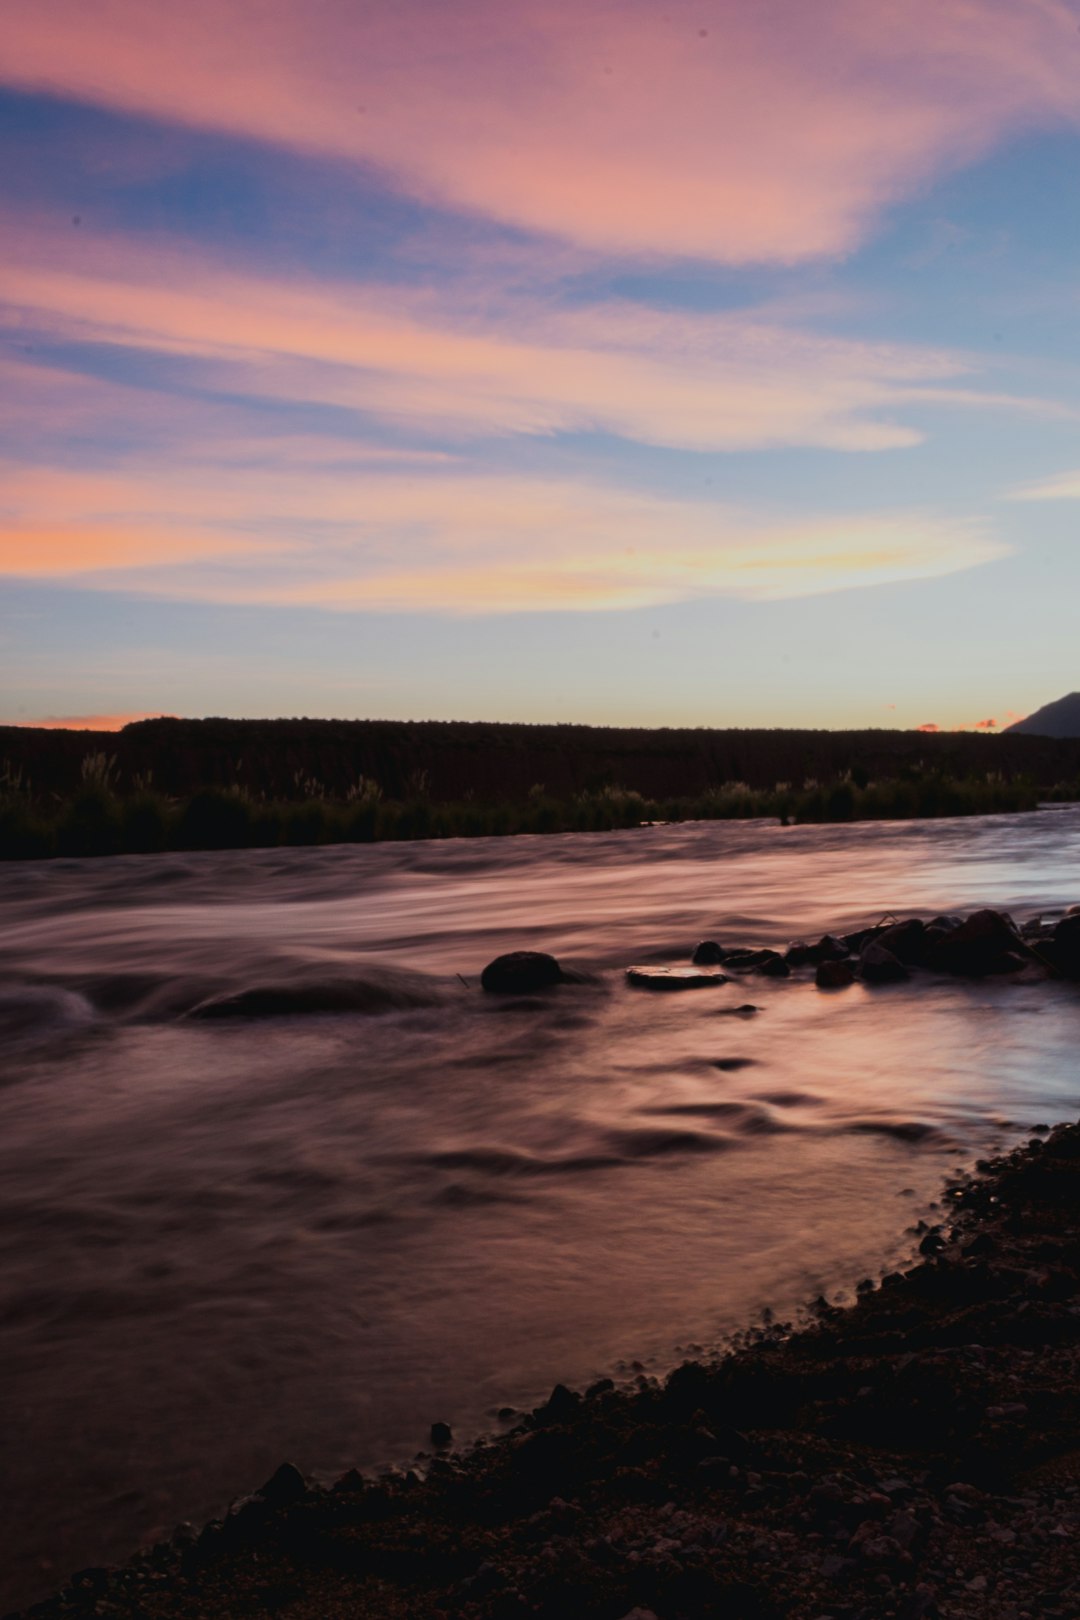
(215, 819)
(90, 824)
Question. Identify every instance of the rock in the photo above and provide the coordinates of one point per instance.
(561, 1404)
(879, 966)
(827, 949)
(986, 942)
(287, 1485)
(863, 936)
(441, 1434)
(708, 954)
(664, 978)
(760, 961)
(520, 971)
(835, 975)
(906, 941)
(1064, 948)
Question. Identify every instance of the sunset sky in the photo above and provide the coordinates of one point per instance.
(624, 361)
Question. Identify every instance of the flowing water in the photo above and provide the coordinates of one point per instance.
(225, 1241)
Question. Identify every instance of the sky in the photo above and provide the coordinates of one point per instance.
(629, 362)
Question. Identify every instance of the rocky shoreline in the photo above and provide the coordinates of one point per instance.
(914, 1455)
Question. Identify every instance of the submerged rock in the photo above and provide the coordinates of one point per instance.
(834, 975)
(827, 949)
(768, 962)
(520, 971)
(673, 978)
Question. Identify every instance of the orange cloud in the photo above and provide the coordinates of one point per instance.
(43, 551)
(329, 536)
(972, 725)
(928, 726)
(85, 722)
(768, 134)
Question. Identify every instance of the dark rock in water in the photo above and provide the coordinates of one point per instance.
(520, 971)
(835, 975)
(708, 954)
(986, 942)
(906, 941)
(879, 966)
(863, 936)
(827, 949)
(441, 1435)
(1067, 935)
(761, 961)
(673, 978)
(561, 1404)
(1059, 946)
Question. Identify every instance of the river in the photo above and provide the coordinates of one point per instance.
(229, 1241)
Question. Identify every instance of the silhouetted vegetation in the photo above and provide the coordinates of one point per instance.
(164, 784)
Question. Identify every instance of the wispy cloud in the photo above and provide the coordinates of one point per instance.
(731, 381)
(1063, 486)
(738, 133)
(337, 538)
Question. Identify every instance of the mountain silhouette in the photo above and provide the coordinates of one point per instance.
(1060, 719)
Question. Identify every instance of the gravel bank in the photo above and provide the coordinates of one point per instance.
(913, 1456)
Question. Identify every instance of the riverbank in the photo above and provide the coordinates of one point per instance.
(917, 1454)
(172, 784)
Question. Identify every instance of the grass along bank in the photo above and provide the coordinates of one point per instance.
(102, 818)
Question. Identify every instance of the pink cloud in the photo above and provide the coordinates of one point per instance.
(775, 133)
(728, 381)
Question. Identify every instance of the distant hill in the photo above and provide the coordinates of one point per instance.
(1060, 719)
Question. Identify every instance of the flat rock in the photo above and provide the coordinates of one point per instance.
(673, 978)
